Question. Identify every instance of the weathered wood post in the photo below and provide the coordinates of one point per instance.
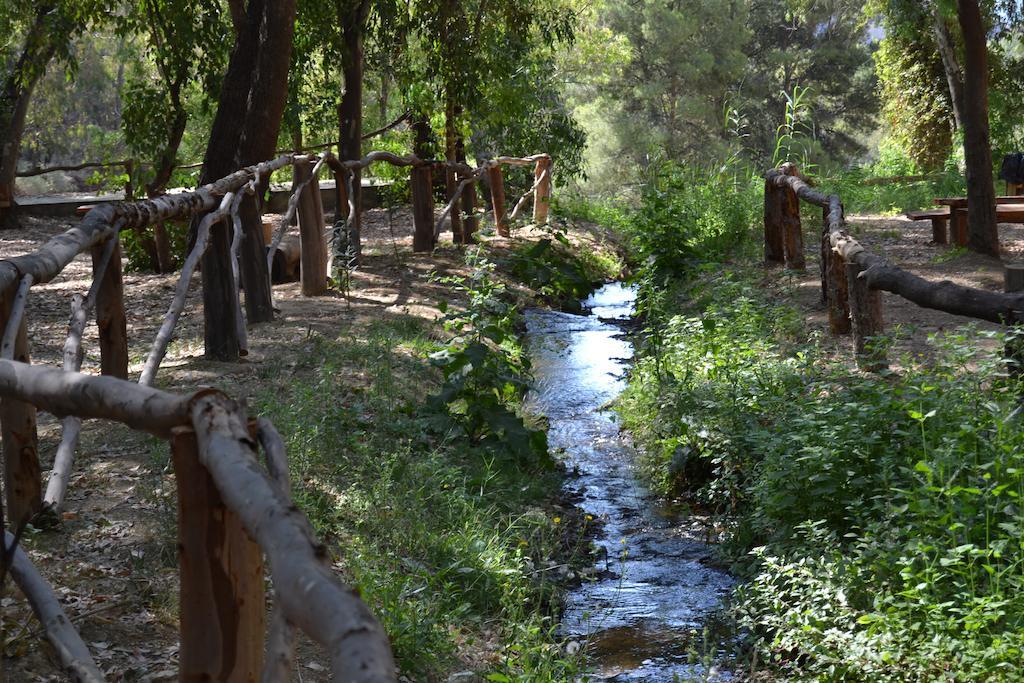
(470, 221)
(836, 292)
(221, 610)
(1013, 281)
(497, 182)
(774, 252)
(542, 195)
(959, 225)
(312, 231)
(110, 315)
(421, 184)
(939, 230)
(252, 262)
(792, 230)
(451, 183)
(866, 314)
(22, 476)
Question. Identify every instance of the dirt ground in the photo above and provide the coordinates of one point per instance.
(112, 558)
(908, 244)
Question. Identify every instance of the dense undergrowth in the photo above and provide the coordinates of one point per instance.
(875, 519)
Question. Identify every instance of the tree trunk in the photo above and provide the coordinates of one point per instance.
(951, 66)
(244, 131)
(983, 235)
(350, 114)
(252, 263)
(470, 222)
(37, 52)
(451, 182)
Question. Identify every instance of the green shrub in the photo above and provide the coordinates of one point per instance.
(878, 518)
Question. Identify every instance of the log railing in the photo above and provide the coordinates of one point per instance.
(852, 278)
(232, 512)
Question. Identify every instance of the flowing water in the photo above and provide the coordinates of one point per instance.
(643, 614)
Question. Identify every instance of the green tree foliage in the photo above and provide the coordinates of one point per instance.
(681, 59)
(184, 54)
(915, 100)
(819, 46)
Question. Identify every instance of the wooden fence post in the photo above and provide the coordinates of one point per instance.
(470, 221)
(221, 610)
(497, 182)
(939, 230)
(252, 262)
(836, 292)
(542, 196)
(866, 314)
(312, 231)
(774, 252)
(958, 225)
(451, 183)
(792, 230)
(110, 315)
(22, 476)
(1013, 281)
(422, 185)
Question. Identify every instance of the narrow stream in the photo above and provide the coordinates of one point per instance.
(643, 614)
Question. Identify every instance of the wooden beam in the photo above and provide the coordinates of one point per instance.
(22, 482)
(421, 183)
(866, 315)
(312, 231)
(221, 601)
(497, 182)
(542, 196)
(110, 313)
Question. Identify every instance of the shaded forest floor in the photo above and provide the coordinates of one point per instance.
(909, 245)
(112, 559)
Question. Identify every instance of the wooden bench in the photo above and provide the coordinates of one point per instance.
(939, 219)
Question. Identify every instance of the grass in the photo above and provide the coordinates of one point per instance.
(440, 533)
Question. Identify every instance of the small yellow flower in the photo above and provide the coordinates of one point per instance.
(557, 520)
(590, 517)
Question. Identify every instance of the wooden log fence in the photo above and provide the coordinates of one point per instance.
(852, 278)
(232, 513)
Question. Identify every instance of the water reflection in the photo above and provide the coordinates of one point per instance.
(643, 615)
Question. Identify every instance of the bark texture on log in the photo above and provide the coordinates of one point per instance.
(163, 336)
(221, 603)
(792, 228)
(866, 315)
(22, 484)
(87, 396)
(312, 231)
(71, 649)
(252, 261)
(71, 425)
(497, 182)
(110, 313)
(422, 209)
(542, 195)
(879, 274)
(308, 590)
(774, 251)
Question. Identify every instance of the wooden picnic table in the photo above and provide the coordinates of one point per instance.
(1009, 209)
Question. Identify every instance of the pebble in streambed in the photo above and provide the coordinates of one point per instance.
(643, 616)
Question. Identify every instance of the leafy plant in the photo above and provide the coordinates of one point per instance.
(485, 370)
